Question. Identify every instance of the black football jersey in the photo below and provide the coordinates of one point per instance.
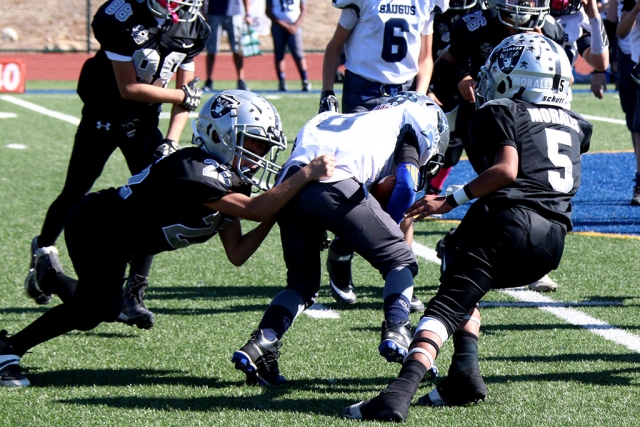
(549, 140)
(128, 28)
(162, 208)
(442, 25)
(476, 34)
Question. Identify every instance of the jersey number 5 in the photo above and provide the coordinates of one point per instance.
(555, 138)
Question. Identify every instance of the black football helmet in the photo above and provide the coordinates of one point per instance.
(462, 4)
(523, 15)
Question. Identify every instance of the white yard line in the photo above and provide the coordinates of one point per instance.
(604, 119)
(557, 308)
(34, 107)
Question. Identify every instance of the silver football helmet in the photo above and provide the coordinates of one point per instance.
(224, 122)
(523, 15)
(529, 67)
(169, 9)
(438, 132)
(462, 4)
(564, 7)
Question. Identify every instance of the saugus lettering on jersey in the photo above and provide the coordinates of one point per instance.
(398, 9)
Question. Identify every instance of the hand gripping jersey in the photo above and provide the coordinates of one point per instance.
(364, 143)
(476, 34)
(385, 43)
(549, 140)
(162, 208)
(127, 29)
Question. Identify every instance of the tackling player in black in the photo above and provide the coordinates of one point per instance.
(472, 39)
(184, 198)
(143, 43)
(444, 82)
(514, 233)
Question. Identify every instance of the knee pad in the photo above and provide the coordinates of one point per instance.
(433, 325)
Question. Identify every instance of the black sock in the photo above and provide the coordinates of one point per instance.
(278, 319)
(54, 322)
(465, 352)
(398, 394)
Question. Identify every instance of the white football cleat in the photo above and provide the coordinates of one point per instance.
(545, 284)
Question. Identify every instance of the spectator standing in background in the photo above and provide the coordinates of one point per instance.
(286, 30)
(226, 15)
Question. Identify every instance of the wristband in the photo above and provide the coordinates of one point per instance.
(597, 72)
(599, 40)
(460, 196)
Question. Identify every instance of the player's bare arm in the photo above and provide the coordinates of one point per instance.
(502, 173)
(240, 247)
(267, 204)
(130, 88)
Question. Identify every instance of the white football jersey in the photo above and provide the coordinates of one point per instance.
(574, 25)
(385, 43)
(364, 143)
(287, 10)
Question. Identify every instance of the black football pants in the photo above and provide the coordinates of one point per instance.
(494, 249)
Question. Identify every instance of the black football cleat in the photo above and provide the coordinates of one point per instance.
(395, 340)
(258, 359)
(134, 311)
(10, 375)
(458, 389)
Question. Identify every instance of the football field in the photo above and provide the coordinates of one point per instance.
(568, 358)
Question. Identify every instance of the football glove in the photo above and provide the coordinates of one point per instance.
(167, 147)
(192, 95)
(635, 73)
(329, 102)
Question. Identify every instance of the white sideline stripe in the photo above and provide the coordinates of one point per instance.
(8, 115)
(604, 119)
(319, 311)
(559, 309)
(41, 110)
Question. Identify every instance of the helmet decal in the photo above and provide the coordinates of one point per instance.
(509, 58)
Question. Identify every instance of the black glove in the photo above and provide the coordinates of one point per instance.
(329, 102)
(167, 147)
(192, 95)
(635, 73)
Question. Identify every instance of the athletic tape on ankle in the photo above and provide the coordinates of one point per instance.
(432, 325)
(421, 351)
(429, 341)
(472, 319)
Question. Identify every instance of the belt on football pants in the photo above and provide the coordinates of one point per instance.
(388, 89)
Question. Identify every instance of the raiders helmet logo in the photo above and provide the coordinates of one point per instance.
(140, 34)
(223, 105)
(508, 58)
